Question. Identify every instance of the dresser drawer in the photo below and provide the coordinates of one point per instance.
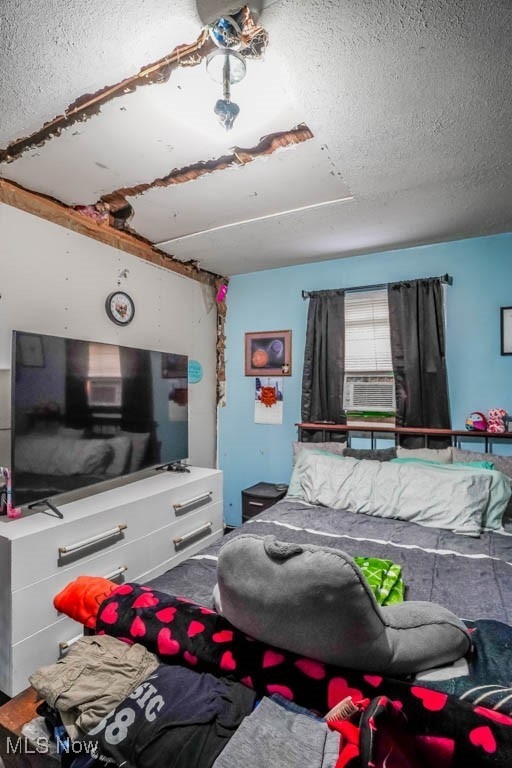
(69, 541)
(32, 606)
(39, 650)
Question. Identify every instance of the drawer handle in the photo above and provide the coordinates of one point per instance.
(256, 504)
(93, 540)
(65, 645)
(197, 501)
(182, 541)
(114, 574)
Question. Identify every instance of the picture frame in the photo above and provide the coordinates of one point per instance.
(31, 351)
(268, 353)
(506, 330)
(174, 366)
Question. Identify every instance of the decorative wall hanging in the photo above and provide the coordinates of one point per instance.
(268, 400)
(268, 353)
(31, 352)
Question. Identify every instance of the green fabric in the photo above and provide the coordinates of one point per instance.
(384, 579)
(466, 464)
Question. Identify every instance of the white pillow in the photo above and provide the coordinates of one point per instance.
(54, 455)
(121, 447)
(441, 455)
(417, 493)
(139, 441)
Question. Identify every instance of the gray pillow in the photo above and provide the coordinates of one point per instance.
(442, 455)
(77, 434)
(333, 447)
(379, 454)
(315, 601)
(501, 463)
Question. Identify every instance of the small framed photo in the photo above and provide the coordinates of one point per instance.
(268, 353)
(174, 366)
(506, 330)
(31, 352)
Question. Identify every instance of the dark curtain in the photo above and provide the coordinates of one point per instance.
(137, 397)
(77, 361)
(416, 319)
(324, 358)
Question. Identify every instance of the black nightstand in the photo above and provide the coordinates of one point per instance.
(261, 496)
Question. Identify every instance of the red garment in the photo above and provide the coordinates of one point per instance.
(81, 598)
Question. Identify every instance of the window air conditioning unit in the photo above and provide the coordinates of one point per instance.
(369, 392)
(104, 392)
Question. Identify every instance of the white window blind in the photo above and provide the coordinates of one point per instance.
(367, 336)
(104, 361)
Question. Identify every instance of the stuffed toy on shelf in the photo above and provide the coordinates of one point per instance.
(496, 420)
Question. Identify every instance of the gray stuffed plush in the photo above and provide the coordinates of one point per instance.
(315, 601)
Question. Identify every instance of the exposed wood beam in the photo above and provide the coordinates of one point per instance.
(58, 213)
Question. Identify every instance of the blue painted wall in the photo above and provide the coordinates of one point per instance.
(479, 377)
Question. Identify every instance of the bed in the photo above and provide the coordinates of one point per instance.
(430, 558)
(48, 464)
(468, 703)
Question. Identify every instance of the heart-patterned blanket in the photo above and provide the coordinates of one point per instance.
(182, 632)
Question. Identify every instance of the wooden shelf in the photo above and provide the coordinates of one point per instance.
(425, 432)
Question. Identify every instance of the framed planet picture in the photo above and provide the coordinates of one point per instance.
(268, 352)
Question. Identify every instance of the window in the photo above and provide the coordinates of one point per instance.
(369, 382)
(104, 361)
(104, 376)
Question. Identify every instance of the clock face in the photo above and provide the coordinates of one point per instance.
(120, 307)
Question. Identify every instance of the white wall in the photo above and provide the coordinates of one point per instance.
(55, 281)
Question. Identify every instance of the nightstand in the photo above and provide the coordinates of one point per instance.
(261, 496)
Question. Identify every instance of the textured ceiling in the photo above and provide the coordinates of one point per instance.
(409, 102)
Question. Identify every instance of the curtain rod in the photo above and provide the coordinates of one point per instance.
(448, 279)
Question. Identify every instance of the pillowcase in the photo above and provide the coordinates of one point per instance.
(332, 447)
(379, 454)
(439, 455)
(120, 447)
(499, 490)
(295, 489)
(139, 441)
(454, 501)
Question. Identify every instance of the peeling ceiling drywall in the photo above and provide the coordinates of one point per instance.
(408, 102)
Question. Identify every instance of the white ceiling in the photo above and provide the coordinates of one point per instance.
(409, 101)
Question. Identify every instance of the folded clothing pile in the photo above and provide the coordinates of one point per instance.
(117, 698)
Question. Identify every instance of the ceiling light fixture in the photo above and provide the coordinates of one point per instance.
(226, 66)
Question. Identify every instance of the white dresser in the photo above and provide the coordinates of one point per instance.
(134, 532)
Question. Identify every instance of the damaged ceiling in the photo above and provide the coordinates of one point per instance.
(366, 126)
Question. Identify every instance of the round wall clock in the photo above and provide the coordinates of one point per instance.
(120, 307)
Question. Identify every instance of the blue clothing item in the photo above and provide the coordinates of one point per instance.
(292, 707)
(177, 718)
